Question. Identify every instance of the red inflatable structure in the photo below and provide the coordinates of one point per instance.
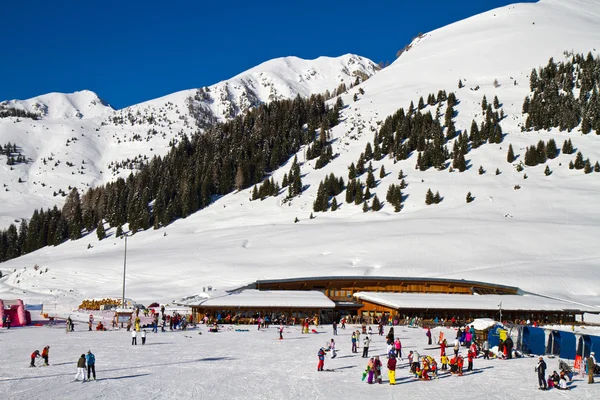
(17, 313)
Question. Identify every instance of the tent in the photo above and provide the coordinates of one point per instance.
(562, 344)
(533, 340)
(496, 333)
(586, 344)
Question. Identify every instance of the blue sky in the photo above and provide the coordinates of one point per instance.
(129, 51)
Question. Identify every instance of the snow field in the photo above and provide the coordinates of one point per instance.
(246, 365)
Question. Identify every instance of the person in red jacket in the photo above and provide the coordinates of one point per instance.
(34, 355)
(45, 354)
(460, 363)
(391, 364)
(321, 355)
(470, 357)
(443, 348)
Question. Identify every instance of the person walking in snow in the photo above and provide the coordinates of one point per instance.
(45, 354)
(332, 348)
(90, 358)
(540, 368)
(133, 337)
(486, 350)
(591, 366)
(377, 370)
(321, 355)
(456, 347)
(366, 343)
(334, 325)
(354, 342)
(143, 337)
(34, 355)
(281, 331)
(470, 357)
(398, 348)
(416, 360)
(428, 334)
(81, 368)
(391, 365)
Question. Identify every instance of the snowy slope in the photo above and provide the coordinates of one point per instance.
(81, 105)
(541, 238)
(102, 144)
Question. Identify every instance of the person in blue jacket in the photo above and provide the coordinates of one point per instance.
(90, 360)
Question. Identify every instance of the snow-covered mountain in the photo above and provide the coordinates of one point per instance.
(80, 141)
(79, 105)
(541, 238)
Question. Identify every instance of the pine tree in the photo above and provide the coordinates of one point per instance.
(587, 166)
(484, 104)
(551, 150)
(437, 198)
(497, 171)
(481, 170)
(376, 205)
(371, 183)
(382, 172)
(496, 102)
(597, 167)
(365, 206)
(547, 171)
(469, 197)
(429, 197)
(334, 204)
(100, 231)
(571, 165)
(579, 163)
(119, 232)
(400, 174)
(510, 156)
(460, 84)
(351, 172)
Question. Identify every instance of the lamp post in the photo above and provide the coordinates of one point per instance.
(124, 270)
(499, 305)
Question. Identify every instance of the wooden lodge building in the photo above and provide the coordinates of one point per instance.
(332, 297)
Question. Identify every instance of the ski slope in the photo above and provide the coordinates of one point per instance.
(541, 238)
(250, 365)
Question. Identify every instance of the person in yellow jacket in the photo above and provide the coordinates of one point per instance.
(391, 364)
(137, 324)
(444, 361)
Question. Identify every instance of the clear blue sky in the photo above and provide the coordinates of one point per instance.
(129, 51)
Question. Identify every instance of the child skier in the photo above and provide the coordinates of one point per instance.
(391, 364)
(377, 368)
(460, 363)
(332, 348)
(444, 362)
(370, 370)
(45, 352)
(398, 348)
(470, 357)
(281, 332)
(34, 355)
(321, 355)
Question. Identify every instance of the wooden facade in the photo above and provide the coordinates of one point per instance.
(343, 288)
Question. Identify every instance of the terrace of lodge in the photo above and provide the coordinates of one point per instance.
(335, 296)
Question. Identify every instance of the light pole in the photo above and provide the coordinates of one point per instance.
(499, 305)
(124, 270)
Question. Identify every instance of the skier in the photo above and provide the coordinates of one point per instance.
(334, 328)
(444, 361)
(133, 337)
(443, 345)
(591, 365)
(398, 348)
(332, 348)
(460, 363)
(416, 360)
(281, 331)
(508, 345)
(366, 342)
(428, 334)
(354, 342)
(391, 364)
(90, 358)
(470, 357)
(370, 371)
(456, 347)
(81, 368)
(541, 371)
(143, 337)
(321, 355)
(486, 350)
(377, 368)
(34, 355)
(45, 352)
